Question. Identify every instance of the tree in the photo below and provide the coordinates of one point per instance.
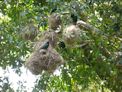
(90, 68)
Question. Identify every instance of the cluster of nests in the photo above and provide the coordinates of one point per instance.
(45, 57)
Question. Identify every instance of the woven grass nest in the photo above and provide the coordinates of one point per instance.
(29, 32)
(54, 21)
(50, 35)
(44, 59)
(73, 35)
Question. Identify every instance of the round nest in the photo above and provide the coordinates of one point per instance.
(73, 35)
(29, 32)
(44, 59)
(51, 36)
(54, 21)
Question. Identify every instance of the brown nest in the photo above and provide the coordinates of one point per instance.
(73, 35)
(54, 21)
(49, 35)
(29, 32)
(44, 59)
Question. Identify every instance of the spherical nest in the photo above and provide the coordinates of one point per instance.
(54, 21)
(73, 35)
(44, 59)
(49, 35)
(29, 32)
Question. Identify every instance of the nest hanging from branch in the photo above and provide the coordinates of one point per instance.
(49, 35)
(29, 32)
(54, 21)
(73, 35)
(44, 59)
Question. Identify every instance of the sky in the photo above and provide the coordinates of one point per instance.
(25, 76)
(14, 78)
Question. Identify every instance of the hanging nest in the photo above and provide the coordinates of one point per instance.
(44, 59)
(29, 32)
(73, 35)
(54, 21)
(49, 35)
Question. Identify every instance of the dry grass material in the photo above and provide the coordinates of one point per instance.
(29, 32)
(54, 21)
(73, 35)
(50, 36)
(44, 59)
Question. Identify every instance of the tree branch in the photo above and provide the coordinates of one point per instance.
(89, 27)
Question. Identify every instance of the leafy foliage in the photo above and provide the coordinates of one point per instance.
(91, 68)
